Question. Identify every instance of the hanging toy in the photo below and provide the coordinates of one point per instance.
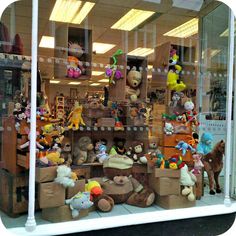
(112, 72)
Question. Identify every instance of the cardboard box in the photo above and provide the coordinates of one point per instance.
(166, 173)
(79, 187)
(60, 214)
(164, 185)
(45, 174)
(51, 194)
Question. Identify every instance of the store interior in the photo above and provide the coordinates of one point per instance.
(120, 80)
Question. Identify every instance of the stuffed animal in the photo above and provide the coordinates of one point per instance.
(75, 117)
(55, 158)
(118, 146)
(187, 180)
(97, 143)
(173, 79)
(66, 151)
(168, 129)
(205, 145)
(198, 165)
(138, 152)
(65, 176)
(74, 67)
(94, 188)
(134, 79)
(153, 146)
(176, 162)
(19, 114)
(176, 98)
(121, 186)
(184, 147)
(160, 162)
(102, 155)
(115, 113)
(78, 202)
(83, 151)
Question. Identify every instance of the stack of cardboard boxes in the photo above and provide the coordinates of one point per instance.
(166, 184)
(52, 196)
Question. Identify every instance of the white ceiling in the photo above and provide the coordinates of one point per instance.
(103, 15)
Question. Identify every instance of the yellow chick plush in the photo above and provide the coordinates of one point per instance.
(172, 80)
(94, 188)
(75, 117)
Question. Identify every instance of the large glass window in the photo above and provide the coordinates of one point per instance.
(125, 91)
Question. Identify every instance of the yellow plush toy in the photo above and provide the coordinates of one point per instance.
(94, 188)
(54, 158)
(75, 117)
(172, 79)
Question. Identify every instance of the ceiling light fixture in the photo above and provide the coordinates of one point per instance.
(54, 81)
(74, 83)
(185, 30)
(142, 52)
(97, 73)
(101, 48)
(103, 80)
(94, 84)
(47, 42)
(226, 32)
(132, 19)
(70, 11)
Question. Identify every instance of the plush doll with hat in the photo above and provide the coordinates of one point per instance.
(121, 186)
(187, 180)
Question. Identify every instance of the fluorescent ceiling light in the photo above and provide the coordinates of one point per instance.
(149, 76)
(74, 83)
(194, 5)
(70, 11)
(103, 80)
(142, 52)
(97, 73)
(132, 19)
(47, 42)
(54, 81)
(87, 7)
(150, 67)
(212, 52)
(226, 32)
(94, 84)
(185, 30)
(101, 48)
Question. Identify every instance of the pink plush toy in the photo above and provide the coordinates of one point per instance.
(197, 164)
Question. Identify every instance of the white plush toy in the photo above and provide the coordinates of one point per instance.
(65, 176)
(187, 180)
(168, 129)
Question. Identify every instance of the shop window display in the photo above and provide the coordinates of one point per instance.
(117, 113)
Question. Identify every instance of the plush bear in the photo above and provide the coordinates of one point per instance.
(121, 186)
(83, 151)
(153, 146)
(66, 151)
(138, 152)
(134, 79)
(118, 147)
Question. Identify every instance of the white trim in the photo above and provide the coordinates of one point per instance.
(229, 105)
(31, 223)
(126, 220)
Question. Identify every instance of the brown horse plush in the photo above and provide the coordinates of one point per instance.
(213, 164)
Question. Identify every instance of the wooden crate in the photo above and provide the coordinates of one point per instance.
(82, 171)
(23, 160)
(172, 140)
(13, 193)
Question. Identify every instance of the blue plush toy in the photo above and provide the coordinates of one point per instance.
(102, 155)
(205, 144)
(184, 147)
